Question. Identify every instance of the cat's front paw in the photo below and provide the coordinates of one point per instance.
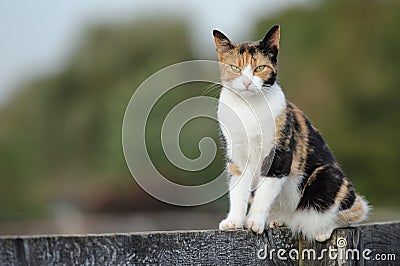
(231, 223)
(255, 224)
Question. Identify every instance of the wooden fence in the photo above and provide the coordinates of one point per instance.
(368, 244)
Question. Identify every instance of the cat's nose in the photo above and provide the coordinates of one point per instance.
(247, 83)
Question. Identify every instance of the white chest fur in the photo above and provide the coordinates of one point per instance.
(248, 124)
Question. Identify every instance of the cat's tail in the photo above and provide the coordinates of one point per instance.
(358, 212)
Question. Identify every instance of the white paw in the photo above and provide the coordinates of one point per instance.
(255, 224)
(231, 223)
(324, 236)
(275, 224)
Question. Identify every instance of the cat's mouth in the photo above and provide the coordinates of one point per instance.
(248, 91)
(252, 90)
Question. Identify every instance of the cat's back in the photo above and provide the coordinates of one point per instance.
(299, 142)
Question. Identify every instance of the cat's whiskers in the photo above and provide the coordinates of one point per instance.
(212, 90)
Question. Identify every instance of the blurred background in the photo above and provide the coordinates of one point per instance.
(68, 70)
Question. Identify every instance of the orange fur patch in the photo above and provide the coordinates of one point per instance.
(342, 193)
(280, 122)
(300, 154)
(233, 169)
(353, 215)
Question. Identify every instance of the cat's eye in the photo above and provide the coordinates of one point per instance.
(259, 68)
(235, 69)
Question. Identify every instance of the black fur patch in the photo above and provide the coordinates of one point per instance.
(320, 192)
(271, 80)
(266, 163)
(242, 48)
(318, 152)
(252, 50)
(281, 164)
(273, 55)
(269, 52)
(283, 158)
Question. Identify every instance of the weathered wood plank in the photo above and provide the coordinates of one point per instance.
(11, 251)
(332, 251)
(383, 240)
(178, 248)
(208, 247)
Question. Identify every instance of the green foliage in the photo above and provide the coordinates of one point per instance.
(63, 132)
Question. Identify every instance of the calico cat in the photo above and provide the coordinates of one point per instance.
(281, 171)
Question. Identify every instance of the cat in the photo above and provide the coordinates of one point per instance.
(280, 170)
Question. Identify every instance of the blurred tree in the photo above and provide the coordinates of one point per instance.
(61, 134)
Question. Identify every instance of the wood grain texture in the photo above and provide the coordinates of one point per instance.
(208, 247)
(383, 239)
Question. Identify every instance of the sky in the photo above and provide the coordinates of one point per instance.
(36, 37)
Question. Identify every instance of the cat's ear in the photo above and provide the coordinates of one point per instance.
(222, 42)
(271, 39)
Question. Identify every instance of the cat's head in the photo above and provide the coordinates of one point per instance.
(249, 67)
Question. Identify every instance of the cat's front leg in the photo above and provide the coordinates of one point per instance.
(239, 194)
(266, 192)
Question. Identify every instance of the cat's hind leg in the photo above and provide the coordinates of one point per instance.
(331, 202)
(317, 212)
(314, 225)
